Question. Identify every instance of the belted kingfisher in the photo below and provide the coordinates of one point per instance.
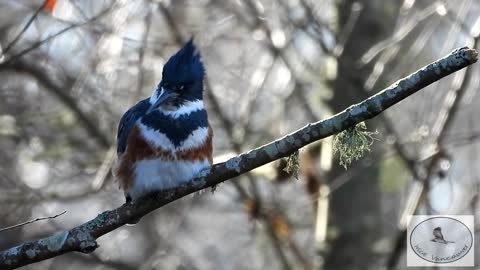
(165, 140)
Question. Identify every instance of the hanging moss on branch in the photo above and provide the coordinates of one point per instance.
(293, 165)
(353, 143)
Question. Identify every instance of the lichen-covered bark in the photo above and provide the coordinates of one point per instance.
(83, 238)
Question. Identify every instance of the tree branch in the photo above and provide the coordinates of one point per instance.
(31, 221)
(83, 237)
(38, 71)
(53, 36)
(25, 28)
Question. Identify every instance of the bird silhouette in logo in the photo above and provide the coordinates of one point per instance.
(437, 233)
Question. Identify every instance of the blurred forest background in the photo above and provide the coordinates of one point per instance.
(70, 68)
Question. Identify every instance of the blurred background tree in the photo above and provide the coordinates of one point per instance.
(70, 68)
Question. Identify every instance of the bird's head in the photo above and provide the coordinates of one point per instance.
(182, 80)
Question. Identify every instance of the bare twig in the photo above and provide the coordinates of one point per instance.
(51, 37)
(355, 11)
(31, 221)
(37, 71)
(402, 32)
(174, 29)
(24, 29)
(278, 52)
(83, 237)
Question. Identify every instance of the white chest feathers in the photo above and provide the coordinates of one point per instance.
(156, 174)
(160, 174)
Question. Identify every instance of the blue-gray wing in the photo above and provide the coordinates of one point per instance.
(128, 121)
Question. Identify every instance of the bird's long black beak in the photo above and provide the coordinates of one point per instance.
(165, 94)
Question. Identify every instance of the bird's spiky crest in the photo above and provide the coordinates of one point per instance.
(184, 67)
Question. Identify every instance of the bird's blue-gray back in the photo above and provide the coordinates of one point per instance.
(128, 121)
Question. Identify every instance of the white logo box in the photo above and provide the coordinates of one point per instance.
(440, 240)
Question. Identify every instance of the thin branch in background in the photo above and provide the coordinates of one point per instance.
(248, 109)
(311, 26)
(455, 19)
(343, 37)
(463, 10)
(277, 52)
(24, 29)
(51, 37)
(462, 139)
(319, 25)
(31, 221)
(400, 34)
(37, 71)
(277, 246)
(141, 54)
(104, 170)
(174, 29)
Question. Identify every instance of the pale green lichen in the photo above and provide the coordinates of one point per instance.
(358, 109)
(234, 164)
(31, 253)
(55, 242)
(293, 164)
(377, 105)
(271, 150)
(10, 255)
(289, 139)
(252, 154)
(352, 143)
(101, 218)
(12, 252)
(282, 144)
(87, 242)
(104, 219)
(98, 221)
